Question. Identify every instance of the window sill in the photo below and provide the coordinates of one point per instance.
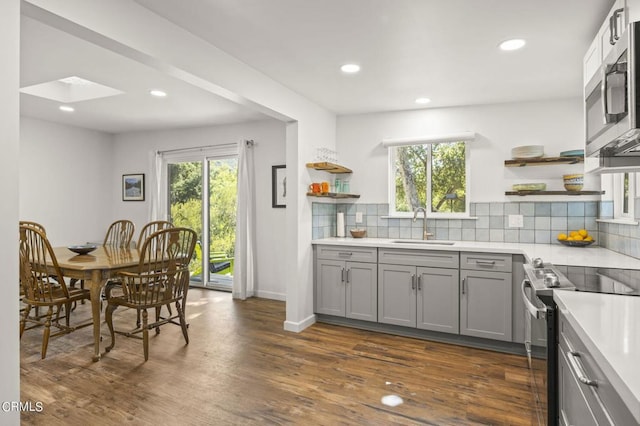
(619, 221)
(410, 216)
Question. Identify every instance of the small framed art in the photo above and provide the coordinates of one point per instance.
(133, 187)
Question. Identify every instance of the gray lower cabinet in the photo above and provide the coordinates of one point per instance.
(426, 298)
(585, 394)
(419, 296)
(345, 288)
(486, 291)
(397, 295)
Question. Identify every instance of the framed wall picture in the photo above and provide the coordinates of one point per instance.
(279, 186)
(133, 187)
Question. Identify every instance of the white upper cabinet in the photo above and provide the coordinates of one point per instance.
(613, 27)
(610, 32)
(592, 60)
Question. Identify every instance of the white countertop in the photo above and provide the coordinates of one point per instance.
(609, 326)
(553, 253)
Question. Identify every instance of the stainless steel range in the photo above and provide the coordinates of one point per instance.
(541, 331)
(541, 334)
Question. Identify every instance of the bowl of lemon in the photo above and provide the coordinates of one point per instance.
(579, 238)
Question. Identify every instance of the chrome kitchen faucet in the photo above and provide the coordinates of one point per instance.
(425, 234)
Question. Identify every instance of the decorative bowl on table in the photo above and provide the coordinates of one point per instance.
(358, 233)
(573, 243)
(528, 151)
(83, 248)
(573, 182)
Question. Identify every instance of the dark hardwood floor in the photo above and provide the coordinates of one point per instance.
(242, 368)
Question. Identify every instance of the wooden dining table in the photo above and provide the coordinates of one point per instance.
(96, 268)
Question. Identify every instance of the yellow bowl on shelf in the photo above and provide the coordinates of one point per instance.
(573, 182)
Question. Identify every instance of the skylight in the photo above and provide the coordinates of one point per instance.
(70, 89)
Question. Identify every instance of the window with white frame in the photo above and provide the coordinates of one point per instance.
(624, 190)
(433, 176)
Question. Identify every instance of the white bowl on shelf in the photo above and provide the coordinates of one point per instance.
(528, 151)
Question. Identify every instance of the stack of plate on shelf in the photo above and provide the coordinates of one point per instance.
(528, 151)
(573, 153)
(529, 187)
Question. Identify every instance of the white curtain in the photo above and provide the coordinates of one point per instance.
(245, 260)
(156, 194)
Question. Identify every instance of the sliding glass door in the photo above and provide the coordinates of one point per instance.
(202, 196)
(223, 186)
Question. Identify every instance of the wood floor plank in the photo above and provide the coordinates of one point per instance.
(242, 368)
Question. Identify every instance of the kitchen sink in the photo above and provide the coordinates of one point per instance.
(425, 242)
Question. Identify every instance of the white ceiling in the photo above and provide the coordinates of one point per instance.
(49, 54)
(443, 50)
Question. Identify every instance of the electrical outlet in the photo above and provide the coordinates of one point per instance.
(358, 217)
(516, 221)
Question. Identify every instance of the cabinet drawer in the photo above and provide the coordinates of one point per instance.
(351, 253)
(429, 258)
(602, 397)
(485, 262)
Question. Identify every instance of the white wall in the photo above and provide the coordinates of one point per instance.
(66, 180)
(132, 152)
(166, 47)
(9, 129)
(556, 124)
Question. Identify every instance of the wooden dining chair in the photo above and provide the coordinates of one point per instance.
(146, 231)
(41, 228)
(162, 278)
(33, 224)
(44, 286)
(151, 228)
(119, 233)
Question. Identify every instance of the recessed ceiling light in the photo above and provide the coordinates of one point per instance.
(66, 108)
(423, 101)
(157, 93)
(513, 44)
(350, 68)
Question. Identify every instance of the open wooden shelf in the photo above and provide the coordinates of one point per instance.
(543, 161)
(329, 167)
(333, 195)
(523, 193)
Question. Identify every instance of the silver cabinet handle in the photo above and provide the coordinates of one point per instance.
(345, 254)
(420, 282)
(486, 262)
(616, 37)
(463, 282)
(342, 275)
(577, 368)
(413, 281)
(611, 25)
(348, 273)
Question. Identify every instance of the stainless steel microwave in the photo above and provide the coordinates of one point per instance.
(611, 106)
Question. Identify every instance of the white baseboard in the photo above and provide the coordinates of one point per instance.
(236, 295)
(271, 295)
(297, 327)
